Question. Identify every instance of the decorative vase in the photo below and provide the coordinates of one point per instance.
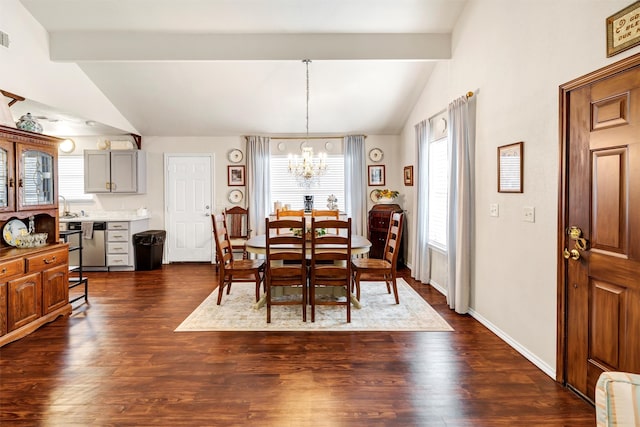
(385, 200)
(27, 122)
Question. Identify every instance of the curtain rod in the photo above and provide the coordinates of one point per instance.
(311, 137)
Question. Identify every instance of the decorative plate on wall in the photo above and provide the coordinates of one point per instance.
(235, 196)
(235, 156)
(376, 154)
(374, 196)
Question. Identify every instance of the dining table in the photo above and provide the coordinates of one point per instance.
(257, 245)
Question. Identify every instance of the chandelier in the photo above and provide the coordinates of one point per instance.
(306, 169)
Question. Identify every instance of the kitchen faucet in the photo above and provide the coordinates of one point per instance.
(65, 207)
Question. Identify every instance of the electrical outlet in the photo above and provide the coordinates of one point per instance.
(529, 214)
(494, 209)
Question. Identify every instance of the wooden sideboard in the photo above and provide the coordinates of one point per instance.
(378, 227)
(34, 281)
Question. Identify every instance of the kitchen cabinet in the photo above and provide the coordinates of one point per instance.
(33, 280)
(120, 250)
(378, 228)
(114, 171)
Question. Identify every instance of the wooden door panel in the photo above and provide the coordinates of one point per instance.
(609, 200)
(610, 112)
(608, 315)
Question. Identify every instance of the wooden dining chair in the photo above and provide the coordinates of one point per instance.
(289, 214)
(326, 214)
(330, 266)
(286, 264)
(381, 269)
(240, 270)
(237, 219)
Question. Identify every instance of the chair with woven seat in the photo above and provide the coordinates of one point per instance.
(240, 270)
(381, 269)
(286, 264)
(330, 262)
(237, 219)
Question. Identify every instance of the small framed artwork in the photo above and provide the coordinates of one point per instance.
(235, 176)
(622, 33)
(376, 175)
(510, 167)
(408, 176)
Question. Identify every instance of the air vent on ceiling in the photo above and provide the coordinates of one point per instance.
(4, 39)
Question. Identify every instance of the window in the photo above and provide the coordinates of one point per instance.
(71, 178)
(438, 193)
(285, 189)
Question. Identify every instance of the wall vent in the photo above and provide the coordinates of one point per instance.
(4, 39)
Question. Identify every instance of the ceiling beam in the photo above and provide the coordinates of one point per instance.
(78, 46)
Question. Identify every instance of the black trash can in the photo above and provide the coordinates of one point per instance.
(148, 246)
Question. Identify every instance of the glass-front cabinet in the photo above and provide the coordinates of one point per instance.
(36, 177)
(7, 176)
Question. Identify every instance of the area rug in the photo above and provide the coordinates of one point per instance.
(378, 312)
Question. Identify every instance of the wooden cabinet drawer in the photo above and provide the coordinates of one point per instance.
(11, 268)
(117, 260)
(118, 225)
(117, 236)
(45, 260)
(117, 248)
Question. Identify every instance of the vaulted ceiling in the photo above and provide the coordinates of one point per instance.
(232, 67)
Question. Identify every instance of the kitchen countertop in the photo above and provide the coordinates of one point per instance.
(106, 216)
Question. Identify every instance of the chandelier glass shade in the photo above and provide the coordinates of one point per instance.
(306, 169)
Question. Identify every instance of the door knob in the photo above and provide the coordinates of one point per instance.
(574, 254)
(574, 232)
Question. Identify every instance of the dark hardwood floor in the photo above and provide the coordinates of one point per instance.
(118, 362)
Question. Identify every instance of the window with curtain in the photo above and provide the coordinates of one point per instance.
(438, 193)
(71, 178)
(285, 189)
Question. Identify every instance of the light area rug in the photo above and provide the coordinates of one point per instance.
(378, 312)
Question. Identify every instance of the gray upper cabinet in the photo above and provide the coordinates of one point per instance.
(114, 171)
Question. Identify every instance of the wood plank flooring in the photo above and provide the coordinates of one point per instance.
(118, 362)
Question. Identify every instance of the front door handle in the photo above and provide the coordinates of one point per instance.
(574, 254)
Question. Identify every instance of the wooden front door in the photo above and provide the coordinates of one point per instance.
(599, 277)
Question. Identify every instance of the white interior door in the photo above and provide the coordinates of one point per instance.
(188, 184)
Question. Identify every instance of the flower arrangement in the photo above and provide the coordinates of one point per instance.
(386, 194)
(298, 232)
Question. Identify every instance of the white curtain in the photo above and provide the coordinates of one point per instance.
(258, 182)
(421, 257)
(355, 183)
(460, 238)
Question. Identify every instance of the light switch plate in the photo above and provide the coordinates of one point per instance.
(494, 209)
(529, 214)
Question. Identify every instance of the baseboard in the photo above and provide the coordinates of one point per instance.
(539, 363)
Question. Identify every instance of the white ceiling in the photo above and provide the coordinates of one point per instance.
(234, 67)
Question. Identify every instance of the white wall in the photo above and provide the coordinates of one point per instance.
(517, 53)
(156, 147)
(25, 69)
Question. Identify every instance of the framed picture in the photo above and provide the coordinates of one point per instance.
(235, 176)
(622, 33)
(408, 175)
(376, 175)
(510, 167)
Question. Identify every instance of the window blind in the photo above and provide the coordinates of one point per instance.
(71, 178)
(438, 193)
(285, 189)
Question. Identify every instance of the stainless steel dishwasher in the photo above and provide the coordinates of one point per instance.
(93, 250)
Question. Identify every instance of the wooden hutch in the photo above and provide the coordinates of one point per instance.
(34, 281)
(379, 218)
